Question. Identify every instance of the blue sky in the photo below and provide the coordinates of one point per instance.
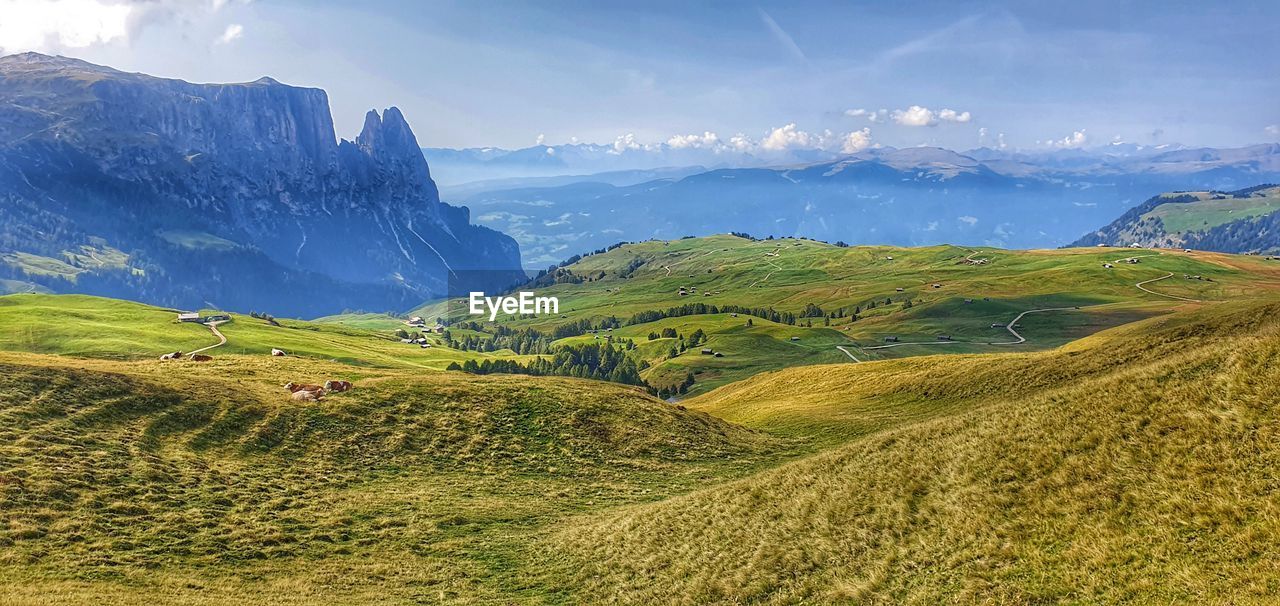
(472, 74)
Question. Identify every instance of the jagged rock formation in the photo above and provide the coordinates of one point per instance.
(237, 195)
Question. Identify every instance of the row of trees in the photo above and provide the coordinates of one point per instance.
(600, 361)
(696, 309)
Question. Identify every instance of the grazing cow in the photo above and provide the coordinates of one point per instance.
(172, 356)
(297, 387)
(307, 396)
(200, 358)
(337, 386)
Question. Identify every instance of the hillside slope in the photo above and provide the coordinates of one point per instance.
(769, 304)
(123, 483)
(1147, 455)
(1243, 221)
(233, 195)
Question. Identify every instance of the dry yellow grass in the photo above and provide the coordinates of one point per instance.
(1127, 479)
(1135, 466)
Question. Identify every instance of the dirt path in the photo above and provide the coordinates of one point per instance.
(848, 353)
(1143, 288)
(222, 339)
(688, 258)
(776, 269)
(1021, 339)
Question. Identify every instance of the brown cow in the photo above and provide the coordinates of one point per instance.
(337, 386)
(200, 358)
(297, 387)
(307, 396)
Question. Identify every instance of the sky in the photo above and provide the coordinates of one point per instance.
(834, 75)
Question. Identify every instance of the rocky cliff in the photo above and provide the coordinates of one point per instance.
(235, 195)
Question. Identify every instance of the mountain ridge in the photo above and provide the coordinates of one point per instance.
(1241, 221)
(101, 158)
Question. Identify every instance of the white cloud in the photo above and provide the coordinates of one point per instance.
(877, 116)
(968, 219)
(919, 115)
(51, 24)
(627, 142)
(707, 140)
(741, 143)
(932, 226)
(856, 113)
(232, 33)
(55, 25)
(1075, 140)
(856, 141)
(790, 137)
(539, 139)
(1000, 144)
(915, 116)
(1273, 130)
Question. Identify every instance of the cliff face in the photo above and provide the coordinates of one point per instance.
(160, 168)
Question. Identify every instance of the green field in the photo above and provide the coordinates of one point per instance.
(1214, 209)
(789, 274)
(85, 326)
(1077, 474)
(1127, 440)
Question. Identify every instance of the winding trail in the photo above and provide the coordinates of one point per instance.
(848, 353)
(1019, 339)
(776, 269)
(222, 339)
(1160, 294)
(688, 258)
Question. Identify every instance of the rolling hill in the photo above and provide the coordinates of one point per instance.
(1242, 221)
(801, 298)
(1074, 474)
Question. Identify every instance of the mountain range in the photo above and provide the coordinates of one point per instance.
(237, 196)
(907, 197)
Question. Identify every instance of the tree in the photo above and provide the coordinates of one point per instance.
(697, 337)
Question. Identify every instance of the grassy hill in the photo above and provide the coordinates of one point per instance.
(976, 288)
(123, 482)
(97, 327)
(1077, 474)
(1240, 221)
